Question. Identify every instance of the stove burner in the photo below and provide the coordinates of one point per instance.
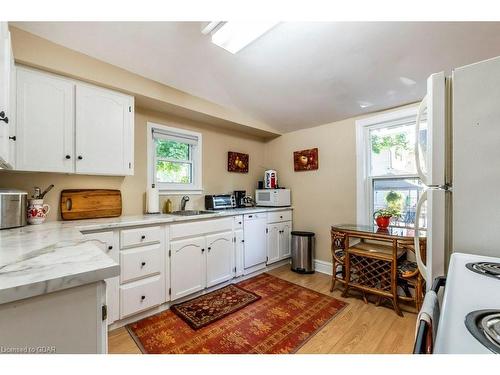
(485, 268)
(484, 325)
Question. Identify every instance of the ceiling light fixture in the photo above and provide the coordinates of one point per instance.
(233, 36)
(364, 104)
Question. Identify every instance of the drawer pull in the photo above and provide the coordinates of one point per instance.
(143, 298)
(110, 247)
(143, 264)
(143, 237)
(250, 216)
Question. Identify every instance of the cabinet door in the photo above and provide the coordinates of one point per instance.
(104, 131)
(44, 122)
(187, 266)
(220, 258)
(239, 248)
(5, 88)
(285, 239)
(273, 243)
(108, 244)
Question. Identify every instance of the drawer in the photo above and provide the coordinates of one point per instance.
(139, 236)
(105, 241)
(200, 227)
(140, 295)
(238, 222)
(279, 216)
(140, 262)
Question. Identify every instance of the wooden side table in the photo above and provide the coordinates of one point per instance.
(371, 264)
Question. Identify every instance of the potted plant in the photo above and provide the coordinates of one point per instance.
(383, 216)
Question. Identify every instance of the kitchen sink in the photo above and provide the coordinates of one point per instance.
(193, 212)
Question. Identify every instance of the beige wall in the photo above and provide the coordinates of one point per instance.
(216, 179)
(328, 195)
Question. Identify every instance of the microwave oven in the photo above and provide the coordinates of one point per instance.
(272, 197)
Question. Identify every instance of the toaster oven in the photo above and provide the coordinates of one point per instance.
(219, 202)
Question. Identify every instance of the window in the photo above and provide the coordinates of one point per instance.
(174, 159)
(387, 176)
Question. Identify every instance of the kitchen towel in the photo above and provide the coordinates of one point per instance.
(152, 200)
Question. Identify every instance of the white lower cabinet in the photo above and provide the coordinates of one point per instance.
(187, 266)
(285, 247)
(200, 262)
(220, 258)
(273, 243)
(140, 295)
(107, 241)
(279, 240)
(140, 262)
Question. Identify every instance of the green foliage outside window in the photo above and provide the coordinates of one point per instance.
(172, 171)
(396, 141)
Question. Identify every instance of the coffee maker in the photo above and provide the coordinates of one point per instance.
(239, 198)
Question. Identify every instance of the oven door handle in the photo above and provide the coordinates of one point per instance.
(422, 345)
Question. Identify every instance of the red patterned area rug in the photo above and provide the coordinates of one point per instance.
(201, 311)
(281, 321)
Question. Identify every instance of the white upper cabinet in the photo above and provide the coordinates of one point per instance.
(67, 126)
(220, 258)
(6, 105)
(104, 131)
(44, 122)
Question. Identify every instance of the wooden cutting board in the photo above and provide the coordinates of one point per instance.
(79, 204)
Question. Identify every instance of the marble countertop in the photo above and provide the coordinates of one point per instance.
(39, 259)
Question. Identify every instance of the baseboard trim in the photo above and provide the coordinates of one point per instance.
(323, 267)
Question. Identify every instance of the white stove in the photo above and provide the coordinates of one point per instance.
(472, 287)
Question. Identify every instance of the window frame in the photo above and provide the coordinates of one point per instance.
(195, 154)
(364, 179)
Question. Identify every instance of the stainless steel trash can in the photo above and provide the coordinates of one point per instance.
(303, 252)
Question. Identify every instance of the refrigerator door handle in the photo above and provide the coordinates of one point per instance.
(421, 108)
(421, 266)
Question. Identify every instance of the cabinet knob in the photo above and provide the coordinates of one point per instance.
(242, 240)
(202, 250)
(143, 264)
(68, 157)
(209, 248)
(110, 247)
(3, 117)
(281, 217)
(143, 298)
(239, 222)
(143, 237)
(80, 157)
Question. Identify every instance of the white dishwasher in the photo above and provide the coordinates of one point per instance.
(254, 227)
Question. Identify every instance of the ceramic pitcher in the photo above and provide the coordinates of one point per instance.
(37, 211)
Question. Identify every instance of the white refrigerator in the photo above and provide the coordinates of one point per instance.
(458, 159)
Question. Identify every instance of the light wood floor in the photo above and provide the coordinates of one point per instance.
(359, 328)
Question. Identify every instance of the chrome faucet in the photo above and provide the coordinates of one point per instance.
(184, 200)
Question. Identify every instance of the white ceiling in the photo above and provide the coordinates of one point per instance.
(299, 74)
